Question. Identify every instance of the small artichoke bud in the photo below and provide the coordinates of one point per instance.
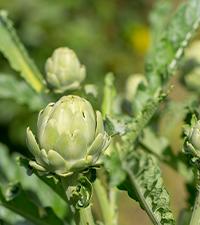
(132, 84)
(194, 137)
(70, 137)
(64, 71)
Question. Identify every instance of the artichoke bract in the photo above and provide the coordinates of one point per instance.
(70, 137)
(64, 71)
(193, 140)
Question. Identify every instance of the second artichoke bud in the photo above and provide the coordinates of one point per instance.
(64, 71)
(70, 137)
(192, 144)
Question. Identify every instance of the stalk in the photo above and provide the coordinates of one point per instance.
(103, 202)
(107, 204)
(113, 194)
(195, 219)
(81, 216)
(85, 216)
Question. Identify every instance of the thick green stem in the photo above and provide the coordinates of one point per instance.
(195, 219)
(103, 203)
(113, 204)
(107, 204)
(109, 93)
(85, 216)
(81, 216)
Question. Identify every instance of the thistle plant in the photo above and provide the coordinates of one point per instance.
(93, 139)
(71, 137)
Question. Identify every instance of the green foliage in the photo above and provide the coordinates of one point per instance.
(20, 92)
(15, 52)
(72, 138)
(167, 51)
(144, 184)
(12, 173)
(13, 199)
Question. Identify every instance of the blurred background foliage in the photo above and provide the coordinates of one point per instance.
(107, 36)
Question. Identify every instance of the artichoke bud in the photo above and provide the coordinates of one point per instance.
(193, 140)
(70, 137)
(64, 71)
(132, 85)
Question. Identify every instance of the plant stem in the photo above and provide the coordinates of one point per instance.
(103, 202)
(85, 216)
(195, 219)
(113, 204)
(109, 94)
(81, 216)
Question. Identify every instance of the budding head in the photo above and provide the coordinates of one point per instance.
(70, 136)
(64, 71)
(194, 136)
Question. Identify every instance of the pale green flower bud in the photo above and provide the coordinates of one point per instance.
(70, 136)
(194, 136)
(132, 84)
(64, 71)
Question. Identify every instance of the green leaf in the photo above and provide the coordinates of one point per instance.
(20, 92)
(168, 50)
(156, 144)
(112, 164)
(140, 121)
(12, 218)
(13, 199)
(145, 185)
(17, 55)
(50, 181)
(3, 222)
(159, 17)
(114, 126)
(160, 148)
(161, 63)
(11, 172)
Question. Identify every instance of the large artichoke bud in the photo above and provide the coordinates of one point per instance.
(64, 71)
(70, 136)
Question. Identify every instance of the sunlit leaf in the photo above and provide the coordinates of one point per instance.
(17, 55)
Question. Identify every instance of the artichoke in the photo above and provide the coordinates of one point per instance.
(193, 140)
(64, 71)
(132, 85)
(70, 135)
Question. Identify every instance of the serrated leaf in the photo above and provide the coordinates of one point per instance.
(114, 126)
(140, 121)
(144, 184)
(159, 17)
(20, 92)
(17, 55)
(161, 63)
(168, 50)
(33, 213)
(160, 148)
